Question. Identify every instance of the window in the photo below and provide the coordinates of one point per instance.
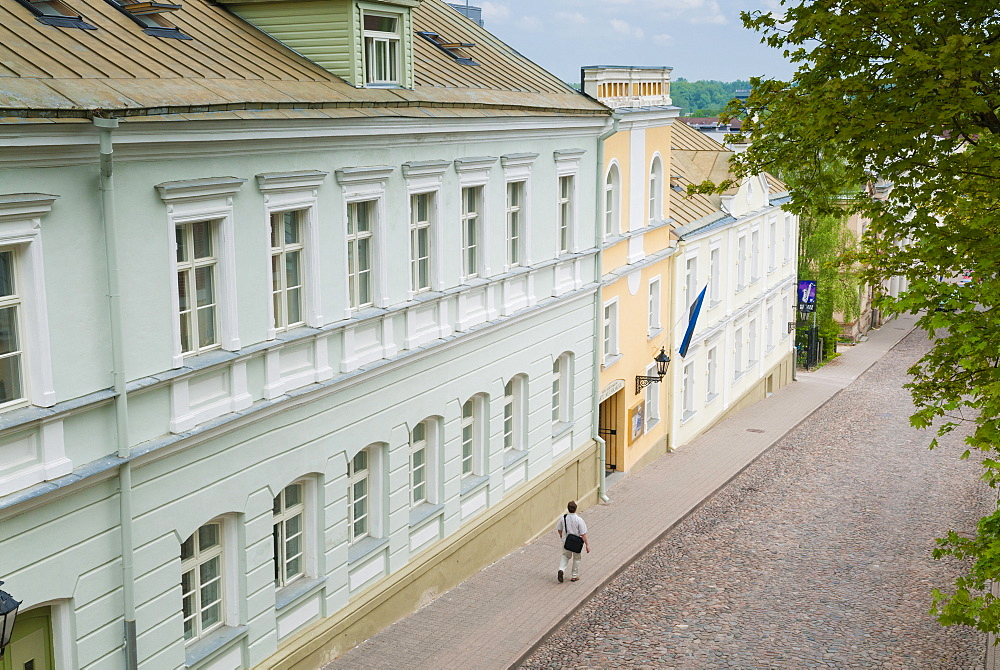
(690, 282)
(515, 223)
(738, 352)
(149, 16)
(788, 237)
(687, 394)
(656, 190)
(752, 347)
(715, 261)
(612, 202)
(770, 328)
(197, 280)
(12, 383)
(55, 13)
(202, 581)
(359, 490)
(420, 242)
(288, 535)
(469, 437)
(360, 253)
(610, 331)
(382, 50)
(741, 262)
(513, 414)
(562, 371)
(772, 246)
(654, 306)
(565, 214)
(754, 256)
(472, 200)
(418, 465)
(287, 274)
(652, 400)
(712, 374)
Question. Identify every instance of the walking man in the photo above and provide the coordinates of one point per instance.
(571, 524)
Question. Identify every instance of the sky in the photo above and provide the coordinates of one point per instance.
(699, 39)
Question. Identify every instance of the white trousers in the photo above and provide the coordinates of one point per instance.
(564, 561)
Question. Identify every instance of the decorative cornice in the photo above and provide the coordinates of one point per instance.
(474, 163)
(364, 175)
(517, 160)
(412, 169)
(568, 155)
(303, 180)
(199, 189)
(25, 205)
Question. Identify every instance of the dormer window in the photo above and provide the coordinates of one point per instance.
(382, 39)
(55, 13)
(149, 15)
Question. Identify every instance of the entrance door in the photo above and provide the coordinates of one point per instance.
(608, 428)
(31, 644)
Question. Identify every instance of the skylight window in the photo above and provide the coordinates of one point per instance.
(55, 13)
(149, 15)
(454, 49)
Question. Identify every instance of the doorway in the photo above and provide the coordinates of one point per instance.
(31, 645)
(609, 429)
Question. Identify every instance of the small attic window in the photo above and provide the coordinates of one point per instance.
(149, 15)
(454, 49)
(382, 49)
(55, 13)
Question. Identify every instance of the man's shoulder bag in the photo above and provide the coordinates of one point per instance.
(573, 542)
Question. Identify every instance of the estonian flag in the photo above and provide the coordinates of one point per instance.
(692, 320)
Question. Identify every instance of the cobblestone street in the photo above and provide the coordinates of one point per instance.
(817, 556)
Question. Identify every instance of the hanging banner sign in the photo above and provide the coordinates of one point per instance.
(611, 389)
(807, 295)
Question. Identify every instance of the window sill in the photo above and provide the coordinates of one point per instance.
(422, 512)
(769, 350)
(215, 643)
(713, 304)
(738, 375)
(687, 416)
(652, 423)
(296, 591)
(653, 332)
(560, 428)
(364, 548)
(472, 483)
(772, 269)
(388, 84)
(611, 360)
(513, 457)
(710, 398)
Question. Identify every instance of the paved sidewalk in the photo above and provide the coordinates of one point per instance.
(496, 618)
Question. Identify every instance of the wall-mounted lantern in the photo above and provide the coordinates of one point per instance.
(8, 612)
(662, 361)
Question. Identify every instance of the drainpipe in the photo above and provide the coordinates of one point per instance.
(104, 128)
(602, 487)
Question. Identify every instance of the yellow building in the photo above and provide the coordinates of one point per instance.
(637, 257)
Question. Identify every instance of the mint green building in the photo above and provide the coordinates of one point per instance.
(296, 326)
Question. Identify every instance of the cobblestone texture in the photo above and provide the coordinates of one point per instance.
(817, 556)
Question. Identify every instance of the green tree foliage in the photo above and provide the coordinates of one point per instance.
(704, 98)
(825, 245)
(908, 92)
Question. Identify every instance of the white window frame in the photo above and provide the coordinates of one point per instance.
(754, 255)
(421, 264)
(712, 374)
(567, 205)
(652, 400)
(375, 454)
(425, 178)
(517, 168)
(297, 191)
(228, 573)
(472, 219)
(361, 184)
(741, 261)
(655, 185)
(769, 340)
(515, 224)
(738, 352)
(715, 280)
(690, 281)
(191, 201)
(431, 448)
(772, 244)
(655, 306)
(612, 200)
(562, 391)
(514, 415)
(279, 522)
(372, 38)
(474, 172)
(752, 343)
(21, 231)
(788, 238)
(473, 436)
(688, 391)
(610, 341)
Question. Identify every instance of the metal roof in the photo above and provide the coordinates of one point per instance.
(229, 66)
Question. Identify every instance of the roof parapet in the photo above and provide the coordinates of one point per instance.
(620, 86)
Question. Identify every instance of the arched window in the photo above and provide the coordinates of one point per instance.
(656, 190)
(562, 405)
(513, 414)
(612, 202)
(473, 437)
(424, 461)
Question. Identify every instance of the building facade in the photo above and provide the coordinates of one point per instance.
(290, 322)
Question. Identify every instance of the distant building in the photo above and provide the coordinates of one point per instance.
(470, 12)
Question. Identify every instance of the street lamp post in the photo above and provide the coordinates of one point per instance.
(662, 361)
(8, 612)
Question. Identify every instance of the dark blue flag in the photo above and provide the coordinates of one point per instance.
(692, 320)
